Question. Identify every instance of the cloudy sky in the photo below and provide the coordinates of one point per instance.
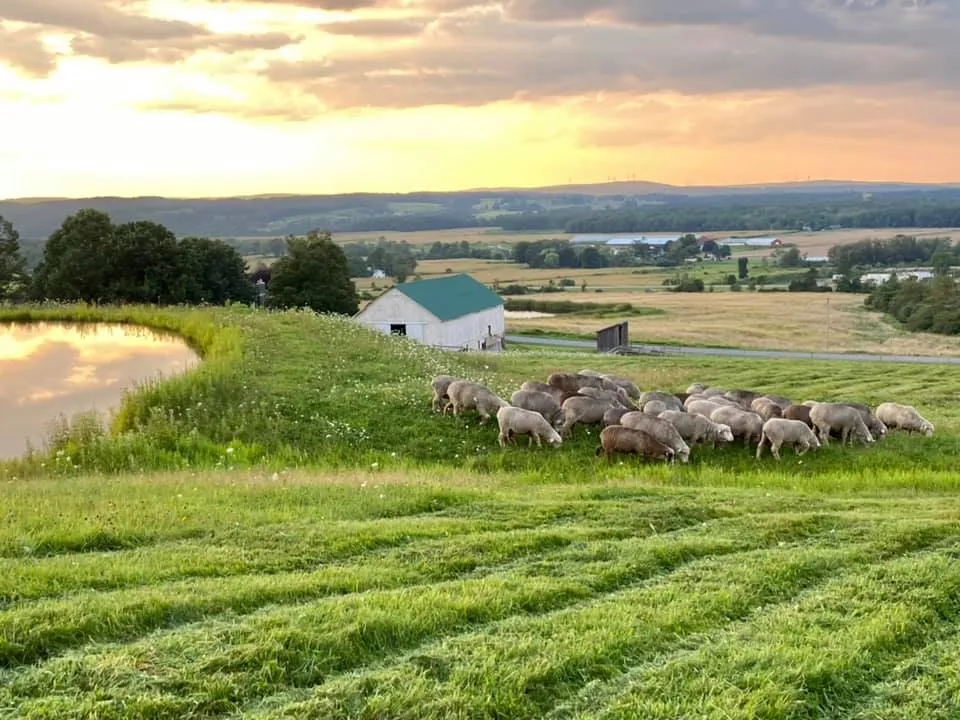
(220, 97)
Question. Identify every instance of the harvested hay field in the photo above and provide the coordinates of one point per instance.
(769, 321)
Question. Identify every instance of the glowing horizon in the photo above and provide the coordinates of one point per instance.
(201, 98)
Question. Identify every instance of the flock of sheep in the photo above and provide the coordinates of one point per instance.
(664, 426)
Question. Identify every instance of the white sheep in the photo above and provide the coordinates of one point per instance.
(539, 402)
(695, 429)
(466, 395)
(743, 424)
(662, 430)
(518, 421)
(440, 384)
(581, 409)
(781, 431)
(840, 418)
(903, 417)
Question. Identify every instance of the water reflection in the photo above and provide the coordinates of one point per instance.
(52, 368)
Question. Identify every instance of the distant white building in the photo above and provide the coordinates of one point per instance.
(878, 278)
(378, 274)
(454, 312)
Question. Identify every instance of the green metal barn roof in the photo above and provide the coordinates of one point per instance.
(451, 296)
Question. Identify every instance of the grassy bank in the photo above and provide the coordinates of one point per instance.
(287, 390)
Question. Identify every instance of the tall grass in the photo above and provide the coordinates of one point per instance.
(294, 389)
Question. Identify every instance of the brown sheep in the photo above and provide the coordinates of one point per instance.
(618, 438)
(798, 412)
(613, 415)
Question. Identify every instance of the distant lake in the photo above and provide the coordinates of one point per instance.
(52, 368)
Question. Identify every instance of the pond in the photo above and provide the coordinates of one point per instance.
(52, 368)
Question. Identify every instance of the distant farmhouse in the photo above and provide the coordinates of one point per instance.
(454, 312)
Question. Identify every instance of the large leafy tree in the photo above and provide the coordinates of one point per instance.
(13, 267)
(145, 264)
(213, 272)
(76, 261)
(314, 273)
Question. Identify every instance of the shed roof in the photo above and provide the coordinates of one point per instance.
(451, 296)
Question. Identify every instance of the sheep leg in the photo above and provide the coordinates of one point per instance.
(539, 441)
(801, 449)
(763, 440)
(775, 449)
(500, 439)
(846, 436)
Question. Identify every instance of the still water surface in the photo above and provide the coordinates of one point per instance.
(52, 368)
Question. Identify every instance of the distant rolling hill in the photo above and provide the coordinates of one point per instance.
(277, 215)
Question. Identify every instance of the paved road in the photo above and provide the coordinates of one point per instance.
(725, 352)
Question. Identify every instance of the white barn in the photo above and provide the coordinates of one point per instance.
(454, 312)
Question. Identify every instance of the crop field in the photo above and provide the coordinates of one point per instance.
(809, 322)
(288, 531)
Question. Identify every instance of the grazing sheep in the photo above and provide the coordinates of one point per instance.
(696, 389)
(705, 408)
(632, 391)
(466, 395)
(617, 438)
(695, 429)
(440, 384)
(713, 392)
(573, 383)
(518, 421)
(903, 417)
(537, 386)
(584, 410)
(743, 398)
(539, 402)
(671, 401)
(840, 418)
(780, 431)
(876, 428)
(661, 430)
(766, 408)
(609, 396)
(783, 402)
(743, 423)
(613, 415)
(655, 407)
(798, 412)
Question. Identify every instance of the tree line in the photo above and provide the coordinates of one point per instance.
(900, 250)
(90, 258)
(923, 306)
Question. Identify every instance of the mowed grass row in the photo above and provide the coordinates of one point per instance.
(598, 599)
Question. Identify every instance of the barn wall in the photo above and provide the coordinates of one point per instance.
(467, 331)
(393, 307)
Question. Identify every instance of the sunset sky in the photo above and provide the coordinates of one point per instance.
(224, 97)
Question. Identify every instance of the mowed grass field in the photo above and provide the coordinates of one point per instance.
(336, 550)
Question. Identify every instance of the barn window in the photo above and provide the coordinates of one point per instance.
(398, 329)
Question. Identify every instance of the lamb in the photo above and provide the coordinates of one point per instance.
(518, 421)
(781, 431)
(618, 438)
(613, 415)
(661, 430)
(766, 408)
(695, 429)
(743, 398)
(466, 395)
(539, 402)
(798, 412)
(743, 424)
(585, 410)
(655, 407)
(841, 418)
(440, 384)
(903, 417)
(714, 391)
